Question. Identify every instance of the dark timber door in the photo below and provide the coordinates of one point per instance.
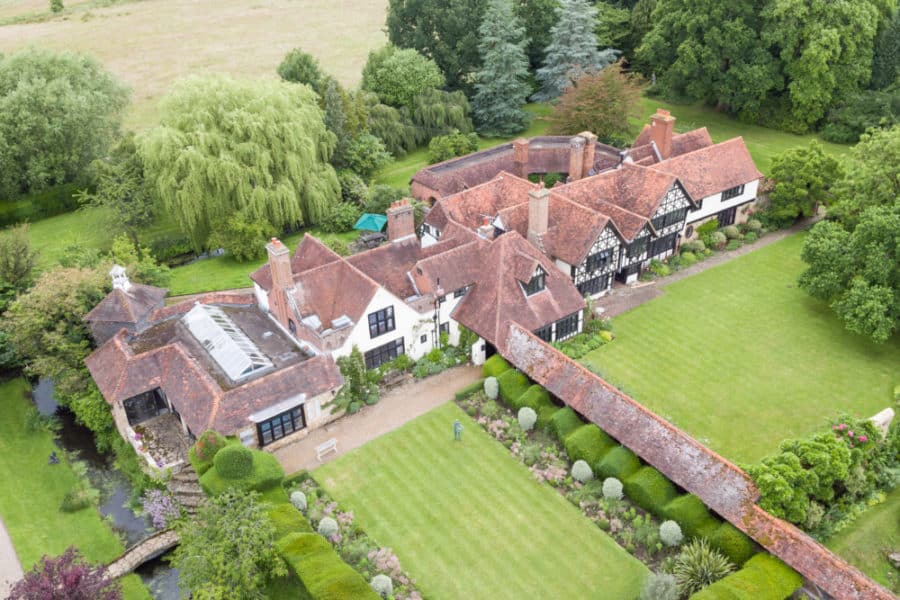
(726, 217)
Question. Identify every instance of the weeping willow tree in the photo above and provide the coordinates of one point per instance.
(437, 112)
(255, 147)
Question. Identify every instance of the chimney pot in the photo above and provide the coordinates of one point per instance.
(662, 126)
(401, 220)
(538, 214)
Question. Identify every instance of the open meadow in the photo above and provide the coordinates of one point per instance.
(468, 521)
(741, 358)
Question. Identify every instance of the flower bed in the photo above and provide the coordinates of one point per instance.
(353, 545)
(633, 528)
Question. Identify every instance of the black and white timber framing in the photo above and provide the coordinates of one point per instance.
(595, 273)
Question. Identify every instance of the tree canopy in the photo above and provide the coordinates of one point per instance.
(572, 50)
(501, 89)
(58, 112)
(224, 146)
(872, 176)
(302, 67)
(399, 75)
(803, 179)
(66, 577)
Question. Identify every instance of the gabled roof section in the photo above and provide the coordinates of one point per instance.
(333, 290)
(496, 297)
(132, 306)
(712, 169)
(310, 254)
(637, 189)
(627, 223)
(468, 208)
(642, 150)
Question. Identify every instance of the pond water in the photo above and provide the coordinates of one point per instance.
(115, 489)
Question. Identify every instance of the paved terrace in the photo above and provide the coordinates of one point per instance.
(720, 484)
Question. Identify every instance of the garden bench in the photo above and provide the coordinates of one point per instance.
(325, 448)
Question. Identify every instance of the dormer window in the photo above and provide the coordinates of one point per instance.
(536, 283)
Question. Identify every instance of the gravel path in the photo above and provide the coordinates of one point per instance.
(398, 406)
(10, 568)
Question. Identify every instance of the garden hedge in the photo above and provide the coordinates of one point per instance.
(764, 577)
(204, 450)
(692, 515)
(650, 490)
(513, 386)
(287, 520)
(564, 422)
(495, 366)
(470, 389)
(536, 397)
(321, 571)
(620, 462)
(234, 462)
(729, 540)
(265, 474)
(545, 415)
(588, 443)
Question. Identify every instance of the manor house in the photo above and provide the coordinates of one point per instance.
(495, 248)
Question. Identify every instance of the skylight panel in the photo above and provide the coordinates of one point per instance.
(232, 350)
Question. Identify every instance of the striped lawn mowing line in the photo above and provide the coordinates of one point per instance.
(468, 521)
(741, 358)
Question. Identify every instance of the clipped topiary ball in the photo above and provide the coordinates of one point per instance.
(527, 418)
(233, 462)
(327, 527)
(208, 444)
(670, 533)
(754, 225)
(731, 232)
(382, 585)
(491, 388)
(581, 471)
(298, 499)
(660, 586)
(612, 488)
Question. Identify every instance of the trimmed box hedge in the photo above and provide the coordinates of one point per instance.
(470, 389)
(287, 520)
(729, 540)
(588, 443)
(692, 515)
(513, 386)
(266, 474)
(321, 571)
(545, 415)
(495, 366)
(620, 462)
(204, 450)
(650, 490)
(564, 422)
(536, 397)
(764, 577)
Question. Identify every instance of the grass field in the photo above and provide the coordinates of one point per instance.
(741, 358)
(152, 43)
(866, 541)
(33, 489)
(468, 521)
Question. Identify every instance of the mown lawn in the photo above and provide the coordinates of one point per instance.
(468, 521)
(33, 489)
(741, 358)
(867, 541)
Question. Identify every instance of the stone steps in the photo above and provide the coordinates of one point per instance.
(185, 487)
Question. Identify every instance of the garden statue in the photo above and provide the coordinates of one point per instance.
(53, 460)
(457, 430)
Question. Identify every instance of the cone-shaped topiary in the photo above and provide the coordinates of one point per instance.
(327, 527)
(527, 418)
(581, 471)
(298, 499)
(233, 462)
(382, 585)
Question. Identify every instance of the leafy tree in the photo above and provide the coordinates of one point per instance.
(365, 155)
(381, 198)
(139, 262)
(445, 147)
(613, 27)
(56, 5)
(437, 112)
(225, 146)
(357, 388)
(242, 237)
(858, 272)
(572, 50)
(17, 259)
(803, 178)
(58, 112)
(66, 577)
(302, 67)
(387, 124)
(601, 103)
(122, 190)
(538, 17)
(443, 30)
(872, 176)
(353, 189)
(501, 89)
(228, 551)
(641, 23)
(398, 75)
(869, 109)
(886, 62)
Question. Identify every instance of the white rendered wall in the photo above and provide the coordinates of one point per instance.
(407, 323)
(713, 204)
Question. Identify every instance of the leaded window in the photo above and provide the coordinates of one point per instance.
(594, 285)
(381, 321)
(598, 260)
(536, 283)
(281, 425)
(567, 327)
(386, 353)
(545, 333)
(670, 218)
(732, 192)
(663, 244)
(460, 292)
(637, 247)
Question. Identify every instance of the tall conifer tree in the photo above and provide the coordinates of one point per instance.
(501, 87)
(572, 50)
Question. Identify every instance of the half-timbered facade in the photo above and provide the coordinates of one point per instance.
(594, 276)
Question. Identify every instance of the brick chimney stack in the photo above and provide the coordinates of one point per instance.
(576, 158)
(662, 126)
(282, 281)
(401, 222)
(590, 148)
(520, 158)
(538, 214)
(486, 230)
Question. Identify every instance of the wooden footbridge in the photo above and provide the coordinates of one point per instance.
(148, 549)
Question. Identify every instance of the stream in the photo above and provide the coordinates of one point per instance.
(115, 490)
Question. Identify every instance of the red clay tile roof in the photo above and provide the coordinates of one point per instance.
(469, 207)
(627, 223)
(333, 290)
(690, 141)
(127, 307)
(712, 169)
(496, 297)
(310, 253)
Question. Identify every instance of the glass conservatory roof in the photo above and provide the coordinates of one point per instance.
(232, 350)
